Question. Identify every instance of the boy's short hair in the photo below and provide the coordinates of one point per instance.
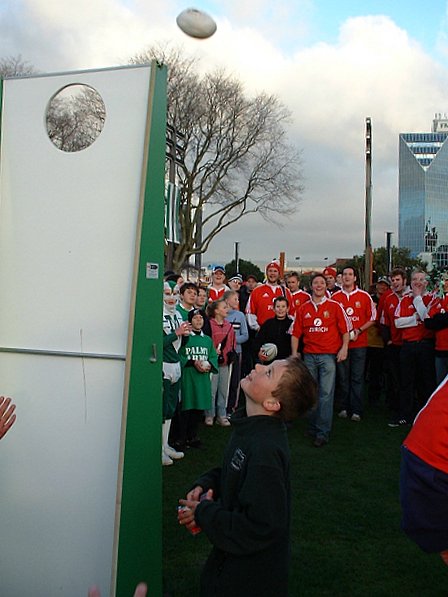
(188, 285)
(281, 298)
(296, 390)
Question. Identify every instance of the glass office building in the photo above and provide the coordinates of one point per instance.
(423, 189)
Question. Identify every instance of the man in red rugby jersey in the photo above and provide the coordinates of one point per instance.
(260, 306)
(360, 309)
(324, 328)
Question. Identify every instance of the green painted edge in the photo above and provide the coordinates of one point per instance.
(140, 529)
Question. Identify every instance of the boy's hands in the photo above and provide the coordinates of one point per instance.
(185, 516)
(195, 494)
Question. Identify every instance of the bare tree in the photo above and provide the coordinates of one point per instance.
(15, 66)
(75, 118)
(238, 160)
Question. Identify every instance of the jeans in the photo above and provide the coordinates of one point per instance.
(323, 368)
(220, 392)
(351, 379)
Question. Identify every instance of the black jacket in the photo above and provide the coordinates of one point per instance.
(248, 524)
(276, 331)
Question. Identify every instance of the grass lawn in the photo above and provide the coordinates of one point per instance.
(346, 537)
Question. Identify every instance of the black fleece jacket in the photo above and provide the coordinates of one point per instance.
(248, 521)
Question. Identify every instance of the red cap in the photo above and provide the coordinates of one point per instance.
(330, 271)
(273, 264)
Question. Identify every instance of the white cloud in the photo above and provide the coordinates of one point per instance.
(373, 69)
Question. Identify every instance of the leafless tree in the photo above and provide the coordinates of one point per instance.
(238, 160)
(15, 66)
(75, 118)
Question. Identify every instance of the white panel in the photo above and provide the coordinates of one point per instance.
(67, 236)
(58, 475)
(65, 217)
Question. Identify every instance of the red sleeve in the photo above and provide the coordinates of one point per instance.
(297, 327)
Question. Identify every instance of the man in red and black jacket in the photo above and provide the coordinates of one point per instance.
(417, 369)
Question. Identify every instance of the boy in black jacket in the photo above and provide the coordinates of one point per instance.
(275, 330)
(244, 506)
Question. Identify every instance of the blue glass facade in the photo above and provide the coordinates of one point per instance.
(423, 191)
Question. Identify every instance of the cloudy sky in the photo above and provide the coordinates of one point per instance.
(333, 63)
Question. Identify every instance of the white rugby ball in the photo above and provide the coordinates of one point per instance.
(269, 351)
(196, 23)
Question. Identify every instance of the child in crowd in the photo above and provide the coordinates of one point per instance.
(199, 359)
(239, 324)
(275, 330)
(173, 330)
(201, 303)
(244, 506)
(223, 338)
(218, 286)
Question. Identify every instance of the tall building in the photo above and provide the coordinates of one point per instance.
(423, 191)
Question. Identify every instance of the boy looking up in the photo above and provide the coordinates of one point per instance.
(244, 506)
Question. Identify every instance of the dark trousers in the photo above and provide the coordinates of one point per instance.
(184, 427)
(418, 377)
(392, 377)
(375, 377)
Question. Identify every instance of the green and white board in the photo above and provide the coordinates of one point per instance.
(81, 267)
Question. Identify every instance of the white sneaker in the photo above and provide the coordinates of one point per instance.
(209, 421)
(166, 460)
(172, 453)
(223, 421)
(343, 414)
(356, 418)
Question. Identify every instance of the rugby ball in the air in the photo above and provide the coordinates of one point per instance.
(268, 351)
(196, 23)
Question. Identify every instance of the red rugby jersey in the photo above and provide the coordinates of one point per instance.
(321, 325)
(441, 335)
(216, 293)
(360, 309)
(261, 301)
(406, 308)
